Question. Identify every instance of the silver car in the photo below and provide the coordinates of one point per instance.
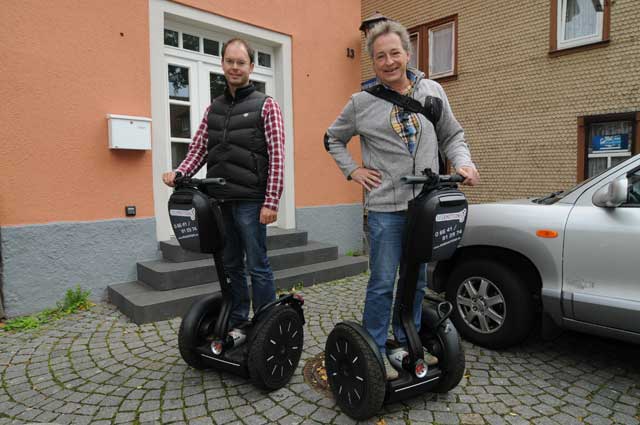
(571, 258)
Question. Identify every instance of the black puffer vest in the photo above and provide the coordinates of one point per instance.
(237, 148)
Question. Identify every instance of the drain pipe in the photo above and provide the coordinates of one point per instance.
(2, 314)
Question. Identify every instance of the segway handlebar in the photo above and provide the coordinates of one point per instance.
(189, 181)
(433, 178)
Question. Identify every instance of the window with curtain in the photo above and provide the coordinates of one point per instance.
(606, 140)
(441, 49)
(579, 22)
(436, 50)
(415, 49)
(610, 143)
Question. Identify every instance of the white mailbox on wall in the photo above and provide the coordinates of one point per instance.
(127, 132)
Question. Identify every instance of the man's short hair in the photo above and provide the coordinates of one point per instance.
(388, 27)
(246, 45)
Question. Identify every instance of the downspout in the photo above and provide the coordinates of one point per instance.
(2, 314)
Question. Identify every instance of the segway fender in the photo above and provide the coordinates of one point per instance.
(451, 353)
(445, 328)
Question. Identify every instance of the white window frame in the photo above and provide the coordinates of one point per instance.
(453, 50)
(580, 41)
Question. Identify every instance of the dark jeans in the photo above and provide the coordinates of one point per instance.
(245, 235)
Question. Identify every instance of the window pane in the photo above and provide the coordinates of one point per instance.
(611, 136)
(190, 42)
(260, 86)
(211, 47)
(413, 61)
(217, 83)
(264, 59)
(615, 160)
(178, 153)
(171, 38)
(597, 165)
(180, 121)
(441, 52)
(178, 82)
(580, 19)
(634, 189)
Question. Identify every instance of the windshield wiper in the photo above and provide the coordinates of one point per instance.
(550, 196)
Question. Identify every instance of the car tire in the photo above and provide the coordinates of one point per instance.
(492, 304)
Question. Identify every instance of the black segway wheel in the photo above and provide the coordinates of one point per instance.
(354, 372)
(196, 327)
(275, 350)
(443, 342)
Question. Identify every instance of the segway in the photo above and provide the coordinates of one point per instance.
(265, 349)
(355, 369)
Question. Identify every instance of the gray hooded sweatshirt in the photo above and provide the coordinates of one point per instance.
(384, 150)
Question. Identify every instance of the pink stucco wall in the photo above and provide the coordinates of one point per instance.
(66, 64)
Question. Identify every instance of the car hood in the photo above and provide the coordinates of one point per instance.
(513, 223)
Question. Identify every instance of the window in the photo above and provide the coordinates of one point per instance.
(211, 47)
(264, 59)
(441, 50)
(180, 104)
(576, 23)
(415, 49)
(633, 196)
(436, 48)
(171, 38)
(604, 141)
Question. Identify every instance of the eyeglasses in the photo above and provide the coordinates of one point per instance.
(240, 63)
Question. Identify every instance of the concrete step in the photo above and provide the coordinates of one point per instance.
(143, 304)
(277, 238)
(164, 275)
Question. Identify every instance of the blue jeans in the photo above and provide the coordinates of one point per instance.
(386, 234)
(244, 234)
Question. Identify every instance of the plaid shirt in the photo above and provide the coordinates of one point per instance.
(274, 133)
(406, 123)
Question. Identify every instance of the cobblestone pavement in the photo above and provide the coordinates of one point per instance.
(97, 367)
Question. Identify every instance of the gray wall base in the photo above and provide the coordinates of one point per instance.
(40, 262)
(335, 224)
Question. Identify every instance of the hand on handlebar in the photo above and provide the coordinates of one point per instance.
(169, 178)
(471, 175)
(367, 178)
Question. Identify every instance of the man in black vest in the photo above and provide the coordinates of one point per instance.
(241, 138)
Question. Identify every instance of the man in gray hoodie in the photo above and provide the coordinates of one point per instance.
(394, 143)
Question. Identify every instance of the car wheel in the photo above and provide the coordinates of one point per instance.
(493, 306)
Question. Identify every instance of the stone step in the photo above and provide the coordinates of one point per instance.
(277, 238)
(164, 275)
(143, 304)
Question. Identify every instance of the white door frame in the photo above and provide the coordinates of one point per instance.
(159, 10)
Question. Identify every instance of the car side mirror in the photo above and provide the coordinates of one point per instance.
(612, 195)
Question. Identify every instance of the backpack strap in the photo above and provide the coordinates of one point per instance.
(432, 108)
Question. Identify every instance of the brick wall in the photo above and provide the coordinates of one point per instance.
(519, 105)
